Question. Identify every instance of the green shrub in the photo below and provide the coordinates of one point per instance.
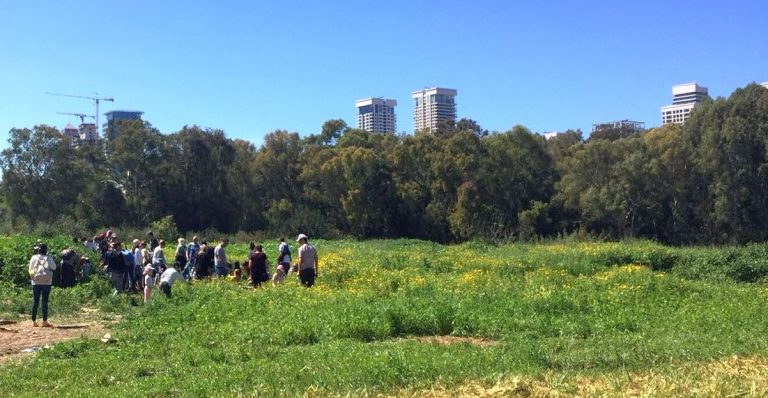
(165, 228)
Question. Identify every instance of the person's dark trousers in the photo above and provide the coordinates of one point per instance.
(128, 281)
(117, 279)
(307, 277)
(165, 287)
(138, 278)
(37, 291)
(187, 272)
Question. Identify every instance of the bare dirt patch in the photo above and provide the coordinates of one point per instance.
(21, 339)
(448, 340)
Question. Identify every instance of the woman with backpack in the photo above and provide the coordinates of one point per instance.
(284, 255)
(41, 267)
(181, 252)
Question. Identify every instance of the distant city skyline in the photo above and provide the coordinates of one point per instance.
(252, 68)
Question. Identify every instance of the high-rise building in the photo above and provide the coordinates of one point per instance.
(685, 97)
(71, 134)
(88, 133)
(113, 119)
(376, 115)
(432, 106)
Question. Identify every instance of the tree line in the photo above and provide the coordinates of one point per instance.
(702, 182)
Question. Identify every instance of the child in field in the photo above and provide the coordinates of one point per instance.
(149, 280)
(85, 268)
(236, 274)
(279, 275)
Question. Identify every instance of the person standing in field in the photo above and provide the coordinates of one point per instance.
(192, 249)
(149, 281)
(204, 261)
(40, 269)
(284, 255)
(69, 259)
(146, 254)
(307, 261)
(116, 267)
(85, 268)
(129, 283)
(181, 252)
(153, 242)
(103, 247)
(138, 261)
(158, 258)
(258, 266)
(220, 259)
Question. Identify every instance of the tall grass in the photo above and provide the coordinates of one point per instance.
(564, 308)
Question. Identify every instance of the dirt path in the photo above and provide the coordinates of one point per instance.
(21, 339)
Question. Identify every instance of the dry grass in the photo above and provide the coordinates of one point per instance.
(730, 377)
(448, 340)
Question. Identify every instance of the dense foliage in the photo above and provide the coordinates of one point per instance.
(374, 323)
(703, 182)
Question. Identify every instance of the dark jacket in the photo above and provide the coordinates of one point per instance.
(259, 271)
(116, 262)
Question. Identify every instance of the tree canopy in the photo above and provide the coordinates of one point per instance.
(702, 182)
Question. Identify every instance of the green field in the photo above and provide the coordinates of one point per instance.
(412, 318)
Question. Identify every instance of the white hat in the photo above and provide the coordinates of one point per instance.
(301, 236)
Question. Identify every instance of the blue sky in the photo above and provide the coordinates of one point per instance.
(251, 67)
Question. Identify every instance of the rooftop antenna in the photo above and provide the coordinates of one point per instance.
(95, 100)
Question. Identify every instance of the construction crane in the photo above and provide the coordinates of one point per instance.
(95, 100)
(82, 116)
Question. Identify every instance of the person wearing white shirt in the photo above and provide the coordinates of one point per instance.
(138, 261)
(307, 262)
(167, 279)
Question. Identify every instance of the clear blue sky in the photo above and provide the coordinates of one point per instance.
(251, 67)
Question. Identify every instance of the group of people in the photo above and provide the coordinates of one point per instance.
(144, 266)
(257, 264)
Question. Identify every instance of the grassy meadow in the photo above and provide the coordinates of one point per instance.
(413, 318)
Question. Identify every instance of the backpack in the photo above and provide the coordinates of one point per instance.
(181, 250)
(286, 254)
(40, 270)
(129, 260)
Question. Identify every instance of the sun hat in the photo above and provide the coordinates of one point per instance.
(301, 236)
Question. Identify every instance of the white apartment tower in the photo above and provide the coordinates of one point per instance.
(685, 97)
(431, 106)
(376, 115)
